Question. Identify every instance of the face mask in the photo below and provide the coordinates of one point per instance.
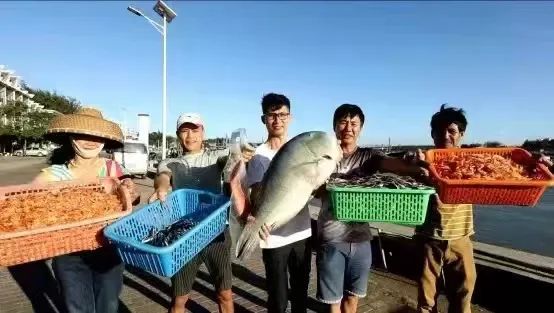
(86, 153)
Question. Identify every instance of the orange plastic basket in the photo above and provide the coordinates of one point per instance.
(42, 243)
(490, 192)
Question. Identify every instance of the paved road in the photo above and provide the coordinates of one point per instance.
(19, 170)
(32, 288)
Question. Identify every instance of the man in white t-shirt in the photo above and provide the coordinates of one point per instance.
(287, 247)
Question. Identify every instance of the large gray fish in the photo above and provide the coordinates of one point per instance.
(301, 166)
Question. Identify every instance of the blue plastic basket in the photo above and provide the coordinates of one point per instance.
(127, 233)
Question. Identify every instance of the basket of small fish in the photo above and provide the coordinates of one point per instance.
(488, 176)
(381, 197)
(163, 236)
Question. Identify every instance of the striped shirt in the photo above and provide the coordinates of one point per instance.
(200, 170)
(447, 222)
(64, 172)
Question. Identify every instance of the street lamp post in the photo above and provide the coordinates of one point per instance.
(167, 15)
(164, 94)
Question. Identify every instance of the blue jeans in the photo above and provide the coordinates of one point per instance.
(342, 268)
(90, 281)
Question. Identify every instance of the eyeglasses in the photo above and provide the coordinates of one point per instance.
(273, 116)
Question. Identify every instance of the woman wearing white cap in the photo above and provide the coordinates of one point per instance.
(90, 281)
(198, 168)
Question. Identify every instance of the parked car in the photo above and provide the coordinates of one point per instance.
(134, 157)
(34, 151)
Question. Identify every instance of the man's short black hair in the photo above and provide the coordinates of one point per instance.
(274, 101)
(446, 116)
(348, 110)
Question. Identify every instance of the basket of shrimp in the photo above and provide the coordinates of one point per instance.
(43, 221)
(488, 176)
(381, 197)
(162, 237)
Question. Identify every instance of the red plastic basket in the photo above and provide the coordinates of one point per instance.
(42, 243)
(490, 192)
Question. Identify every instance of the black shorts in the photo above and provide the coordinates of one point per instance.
(217, 257)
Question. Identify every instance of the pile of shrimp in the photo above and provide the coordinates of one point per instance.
(483, 167)
(31, 211)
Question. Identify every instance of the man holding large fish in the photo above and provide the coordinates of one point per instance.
(278, 206)
(282, 177)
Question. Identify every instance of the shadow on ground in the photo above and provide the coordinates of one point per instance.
(404, 309)
(41, 288)
(39, 285)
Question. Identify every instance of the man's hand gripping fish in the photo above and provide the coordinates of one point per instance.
(301, 166)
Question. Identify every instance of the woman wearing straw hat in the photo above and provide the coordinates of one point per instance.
(90, 281)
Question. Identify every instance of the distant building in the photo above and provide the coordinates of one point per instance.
(139, 134)
(11, 90)
(143, 124)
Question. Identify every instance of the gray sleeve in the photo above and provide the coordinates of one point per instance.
(255, 170)
(373, 162)
(163, 167)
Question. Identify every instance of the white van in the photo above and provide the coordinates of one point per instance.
(134, 158)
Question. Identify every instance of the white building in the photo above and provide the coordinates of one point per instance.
(136, 134)
(11, 89)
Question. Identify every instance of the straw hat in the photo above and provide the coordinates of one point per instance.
(85, 121)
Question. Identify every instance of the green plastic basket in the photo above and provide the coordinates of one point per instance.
(398, 206)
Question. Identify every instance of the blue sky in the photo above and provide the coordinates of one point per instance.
(398, 60)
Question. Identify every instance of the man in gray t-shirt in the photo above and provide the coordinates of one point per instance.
(344, 251)
(201, 169)
(332, 230)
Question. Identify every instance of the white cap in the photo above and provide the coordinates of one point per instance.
(193, 118)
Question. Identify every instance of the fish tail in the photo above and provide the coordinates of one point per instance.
(248, 241)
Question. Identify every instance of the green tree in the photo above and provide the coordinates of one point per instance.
(171, 140)
(536, 145)
(493, 144)
(12, 115)
(38, 123)
(155, 138)
(54, 101)
(9, 114)
(22, 123)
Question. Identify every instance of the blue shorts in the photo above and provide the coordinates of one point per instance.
(342, 268)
